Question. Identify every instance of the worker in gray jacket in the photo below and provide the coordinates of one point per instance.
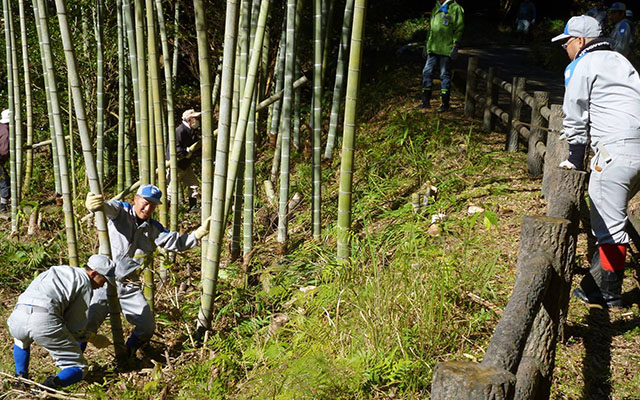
(602, 100)
(134, 235)
(53, 312)
(622, 32)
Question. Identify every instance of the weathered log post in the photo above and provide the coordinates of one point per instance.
(488, 122)
(557, 150)
(534, 159)
(535, 372)
(542, 247)
(517, 86)
(469, 101)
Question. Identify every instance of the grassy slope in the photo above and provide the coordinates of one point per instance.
(376, 326)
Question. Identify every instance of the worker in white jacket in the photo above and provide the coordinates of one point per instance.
(134, 235)
(602, 101)
(53, 312)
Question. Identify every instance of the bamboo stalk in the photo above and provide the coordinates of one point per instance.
(316, 220)
(28, 102)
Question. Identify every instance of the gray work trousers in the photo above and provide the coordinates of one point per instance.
(134, 307)
(615, 179)
(28, 324)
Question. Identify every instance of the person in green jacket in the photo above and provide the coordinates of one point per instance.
(447, 24)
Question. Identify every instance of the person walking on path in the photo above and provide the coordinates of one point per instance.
(53, 312)
(185, 137)
(602, 102)
(134, 235)
(526, 17)
(5, 183)
(447, 25)
(622, 32)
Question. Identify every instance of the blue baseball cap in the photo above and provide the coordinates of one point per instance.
(618, 6)
(150, 193)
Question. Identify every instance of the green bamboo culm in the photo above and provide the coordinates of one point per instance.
(326, 28)
(17, 116)
(12, 137)
(100, 156)
(176, 38)
(339, 82)
(120, 182)
(212, 260)
(133, 63)
(349, 135)
(316, 215)
(28, 102)
(206, 117)
(145, 165)
(171, 129)
(90, 168)
(243, 116)
(67, 202)
(279, 76)
(297, 98)
(285, 129)
(54, 147)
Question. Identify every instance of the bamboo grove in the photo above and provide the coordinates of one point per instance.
(109, 79)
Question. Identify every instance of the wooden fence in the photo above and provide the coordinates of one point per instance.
(519, 361)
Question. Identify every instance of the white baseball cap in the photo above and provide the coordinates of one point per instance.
(581, 26)
(4, 117)
(104, 266)
(190, 113)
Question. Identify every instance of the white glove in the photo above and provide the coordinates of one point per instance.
(203, 230)
(566, 164)
(99, 341)
(94, 202)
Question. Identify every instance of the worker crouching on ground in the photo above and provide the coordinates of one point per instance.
(53, 312)
(134, 235)
(602, 100)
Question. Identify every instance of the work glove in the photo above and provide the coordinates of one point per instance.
(189, 153)
(454, 52)
(203, 230)
(99, 341)
(566, 164)
(94, 202)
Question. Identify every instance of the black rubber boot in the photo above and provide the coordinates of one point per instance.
(612, 288)
(193, 204)
(426, 98)
(52, 382)
(589, 290)
(446, 97)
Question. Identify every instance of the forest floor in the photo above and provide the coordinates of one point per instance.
(424, 284)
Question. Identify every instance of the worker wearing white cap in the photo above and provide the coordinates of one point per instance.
(185, 137)
(622, 32)
(53, 312)
(134, 235)
(602, 103)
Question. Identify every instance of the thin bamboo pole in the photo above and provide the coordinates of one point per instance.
(316, 220)
(133, 64)
(144, 169)
(91, 170)
(28, 103)
(121, 100)
(17, 99)
(349, 135)
(12, 133)
(212, 261)
(100, 156)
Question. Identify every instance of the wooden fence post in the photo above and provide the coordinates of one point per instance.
(534, 159)
(535, 372)
(469, 101)
(492, 99)
(557, 150)
(517, 85)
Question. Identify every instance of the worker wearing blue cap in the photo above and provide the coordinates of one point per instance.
(134, 235)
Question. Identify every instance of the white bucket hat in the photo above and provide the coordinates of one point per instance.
(4, 118)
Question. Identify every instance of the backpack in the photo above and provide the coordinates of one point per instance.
(4, 142)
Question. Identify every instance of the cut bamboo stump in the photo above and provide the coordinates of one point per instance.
(557, 150)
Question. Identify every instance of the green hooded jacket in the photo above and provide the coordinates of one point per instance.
(447, 24)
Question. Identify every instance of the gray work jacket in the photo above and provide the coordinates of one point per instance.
(66, 292)
(130, 239)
